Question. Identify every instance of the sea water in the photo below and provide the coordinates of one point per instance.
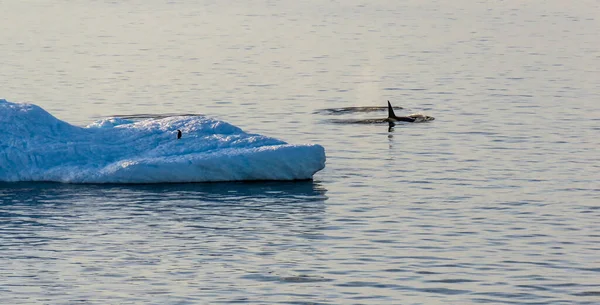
(496, 201)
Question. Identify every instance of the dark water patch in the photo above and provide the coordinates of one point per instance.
(305, 303)
(441, 93)
(515, 95)
(368, 284)
(520, 302)
(445, 291)
(542, 264)
(512, 296)
(262, 85)
(285, 279)
(427, 258)
(433, 290)
(564, 285)
(384, 241)
(452, 281)
(589, 269)
(396, 270)
(304, 279)
(534, 287)
(367, 297)
(461, 233)
(404, 89)
(420, 182)
(587, 294)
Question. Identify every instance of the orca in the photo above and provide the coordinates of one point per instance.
(391, 119)
(178, 134)
(413, 118)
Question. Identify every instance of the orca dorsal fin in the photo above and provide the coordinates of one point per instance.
(391, 113)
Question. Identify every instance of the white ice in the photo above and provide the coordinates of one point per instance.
(36, 146)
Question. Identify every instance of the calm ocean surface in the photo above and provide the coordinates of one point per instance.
(497, 201)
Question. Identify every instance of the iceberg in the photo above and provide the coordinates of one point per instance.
(36, 146)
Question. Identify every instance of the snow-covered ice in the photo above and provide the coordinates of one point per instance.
(36, 146)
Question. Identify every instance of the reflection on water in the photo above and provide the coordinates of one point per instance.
(39, 208)
(110, 240)
(297, 197)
